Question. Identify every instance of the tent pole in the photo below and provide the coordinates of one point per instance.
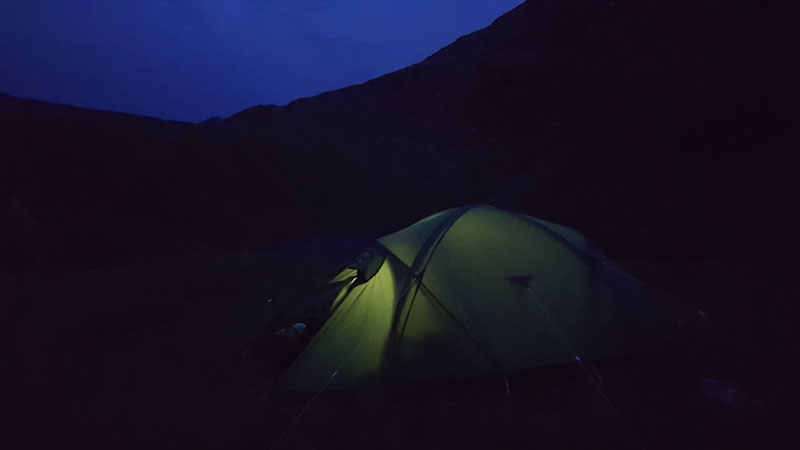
(591, 377)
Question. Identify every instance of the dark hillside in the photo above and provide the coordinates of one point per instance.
(86, 188)
(658, 128)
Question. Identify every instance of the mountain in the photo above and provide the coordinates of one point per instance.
(660, 129)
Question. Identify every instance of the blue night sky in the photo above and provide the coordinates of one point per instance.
(193, 59)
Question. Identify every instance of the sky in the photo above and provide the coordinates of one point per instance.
(195, 59)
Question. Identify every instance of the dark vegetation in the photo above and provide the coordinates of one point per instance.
(137, 255)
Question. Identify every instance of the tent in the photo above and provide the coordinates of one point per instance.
(478, 291)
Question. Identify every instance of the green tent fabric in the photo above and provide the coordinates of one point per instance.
(478, 291)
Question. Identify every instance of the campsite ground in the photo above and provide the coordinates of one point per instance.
(159, 356)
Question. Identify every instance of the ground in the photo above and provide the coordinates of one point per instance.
(162, 356)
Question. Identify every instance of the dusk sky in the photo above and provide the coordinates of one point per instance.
(194, 59)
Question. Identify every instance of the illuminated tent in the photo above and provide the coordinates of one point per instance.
(478, 291)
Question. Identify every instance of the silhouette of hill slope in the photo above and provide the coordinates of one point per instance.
(658, 128)
(84, 188)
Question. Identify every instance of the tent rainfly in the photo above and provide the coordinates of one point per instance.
(478, 291)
